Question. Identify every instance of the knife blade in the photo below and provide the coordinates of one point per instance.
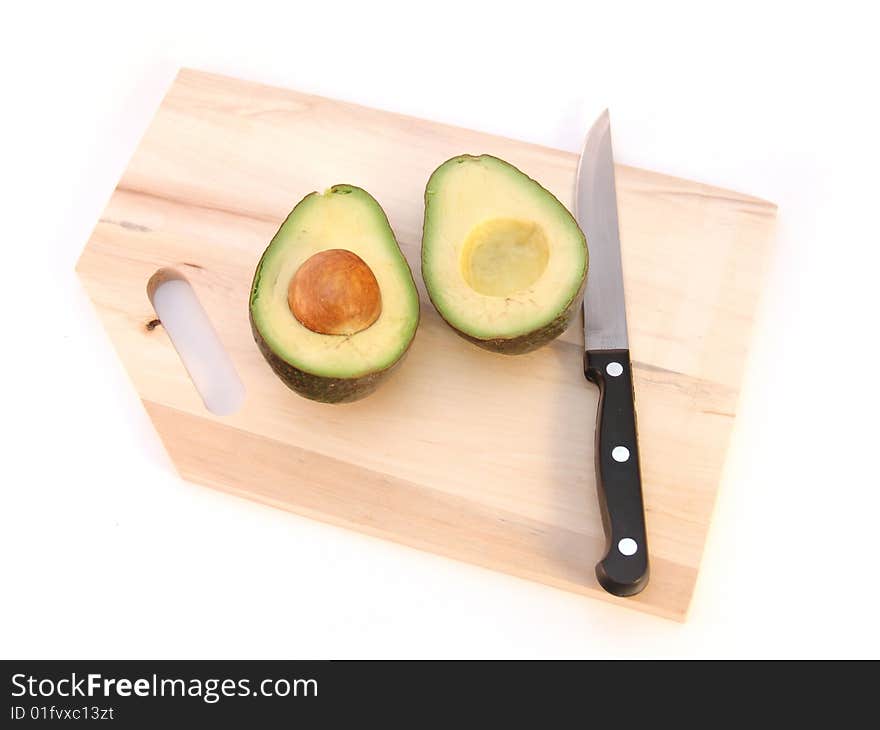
(624, 568)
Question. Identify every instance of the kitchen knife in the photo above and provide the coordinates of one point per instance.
(623, 570)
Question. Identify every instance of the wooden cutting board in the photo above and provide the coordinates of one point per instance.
(473, 455)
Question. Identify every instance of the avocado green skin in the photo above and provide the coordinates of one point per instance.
(530, 340)
(316, 387)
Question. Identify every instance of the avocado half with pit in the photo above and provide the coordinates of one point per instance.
(504, 262)
(333, 305)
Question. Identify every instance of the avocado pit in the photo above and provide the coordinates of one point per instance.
(335, 293)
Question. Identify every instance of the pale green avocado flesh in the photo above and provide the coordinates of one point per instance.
(504, 262)
(333, 368)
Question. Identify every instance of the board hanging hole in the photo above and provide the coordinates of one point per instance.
(206, 360)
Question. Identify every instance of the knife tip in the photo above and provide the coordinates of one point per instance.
(602, 123)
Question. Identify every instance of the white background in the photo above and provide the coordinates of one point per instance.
(105, 552)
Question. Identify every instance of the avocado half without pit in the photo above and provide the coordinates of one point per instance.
(333, 305)
(503, 261)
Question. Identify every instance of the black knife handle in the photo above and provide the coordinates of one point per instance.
(623, 570)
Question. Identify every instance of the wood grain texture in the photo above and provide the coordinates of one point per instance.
(477, 456)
